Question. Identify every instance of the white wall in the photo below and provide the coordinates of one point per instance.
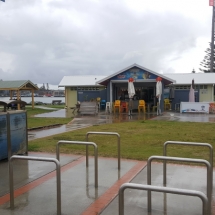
(70, 97)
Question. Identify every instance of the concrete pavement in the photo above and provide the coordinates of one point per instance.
(35, 185)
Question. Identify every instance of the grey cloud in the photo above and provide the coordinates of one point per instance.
(86, 37)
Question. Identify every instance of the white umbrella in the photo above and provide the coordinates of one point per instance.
(131, 93)
(158, 95)
(192, 93)
(131, 90)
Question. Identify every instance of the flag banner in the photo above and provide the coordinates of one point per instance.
(211, 2)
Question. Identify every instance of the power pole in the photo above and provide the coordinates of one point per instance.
(212, 41)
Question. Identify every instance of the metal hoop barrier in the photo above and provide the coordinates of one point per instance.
(104, 133)
(191, 144)
(161, 190)
(81, 143)
(36, 159)
(165, 158)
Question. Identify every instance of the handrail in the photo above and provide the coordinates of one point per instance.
(191, 144)
(163, 190)
(104, 133)
(165, 158)
(81, 143)
(36, 159)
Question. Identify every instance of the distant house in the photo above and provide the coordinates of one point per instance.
(82, 88)
(110, 88)
(203, 82)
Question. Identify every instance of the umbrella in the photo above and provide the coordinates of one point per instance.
(131, 93)
(158, 94)
(192, 92)
(131, 90)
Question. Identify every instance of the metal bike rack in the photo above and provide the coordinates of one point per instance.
(36, 159)
(104, 133)
(191, 144)
(165, 158)
(163, 190)
(81, 143)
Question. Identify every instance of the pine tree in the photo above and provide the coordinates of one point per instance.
(207, 61)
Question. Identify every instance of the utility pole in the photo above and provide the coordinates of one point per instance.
(212, 37)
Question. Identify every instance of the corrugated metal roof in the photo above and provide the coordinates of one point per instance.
(18, 84)
(80, 80)
(186, 78)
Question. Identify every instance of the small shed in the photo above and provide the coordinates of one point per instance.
(17, 86)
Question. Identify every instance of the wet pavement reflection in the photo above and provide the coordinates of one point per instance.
(79, 121)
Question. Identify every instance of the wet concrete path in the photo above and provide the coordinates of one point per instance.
(83, 121)
(35, 184)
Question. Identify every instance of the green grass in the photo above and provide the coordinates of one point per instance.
(43, 121)
(139, 139)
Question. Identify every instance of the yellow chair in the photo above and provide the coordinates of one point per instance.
(142, 105)
(167, 104)
(116, 105)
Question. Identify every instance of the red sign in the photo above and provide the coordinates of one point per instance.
(211, 2)
(121, 76)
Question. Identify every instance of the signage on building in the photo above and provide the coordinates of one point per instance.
(136, 74)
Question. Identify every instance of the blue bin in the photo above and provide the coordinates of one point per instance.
(13, 134)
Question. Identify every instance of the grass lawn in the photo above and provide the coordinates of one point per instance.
(43, 121)
(139, 139)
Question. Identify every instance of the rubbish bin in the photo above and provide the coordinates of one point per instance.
(13, 134)
(3, 136)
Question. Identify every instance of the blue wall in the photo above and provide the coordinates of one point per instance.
(88, 95)
(183, 96)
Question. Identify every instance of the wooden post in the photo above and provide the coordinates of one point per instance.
(18, 99)
(11, 94)
(32, 95)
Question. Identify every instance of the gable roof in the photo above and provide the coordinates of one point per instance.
(104, 80)
(80, 80)
(17, 85)
(186, 78)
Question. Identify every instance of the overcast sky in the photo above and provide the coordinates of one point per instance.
(44, 40)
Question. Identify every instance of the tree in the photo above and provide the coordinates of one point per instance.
(205, 64)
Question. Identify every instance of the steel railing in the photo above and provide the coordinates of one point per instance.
(81, 143)
(104, 133)
(163, 190)
(35, 159)
(190, 160)
(186, 143)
